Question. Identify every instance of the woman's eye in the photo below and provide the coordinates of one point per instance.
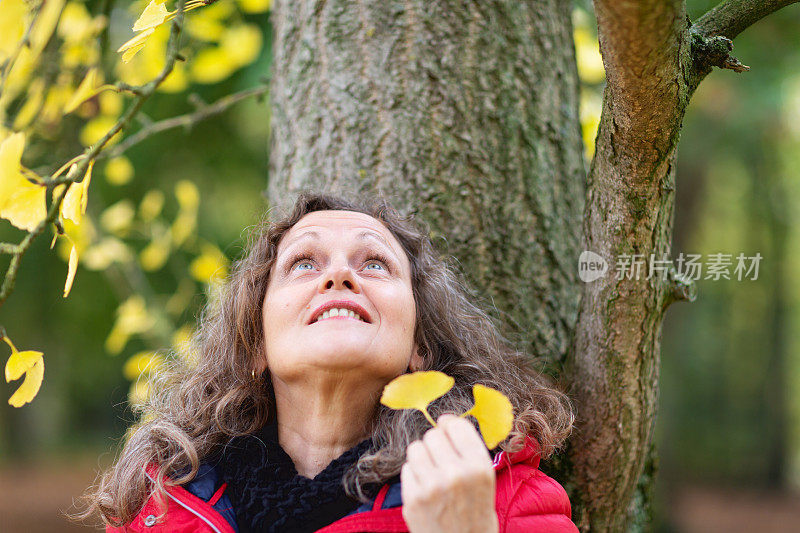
(301, 263)
(377, 263)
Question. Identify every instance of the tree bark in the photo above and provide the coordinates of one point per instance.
(654, 60)
(464, 111)
(467, 113)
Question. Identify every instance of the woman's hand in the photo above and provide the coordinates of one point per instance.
(448, 482)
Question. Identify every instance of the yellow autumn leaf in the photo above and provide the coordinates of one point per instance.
(182, 337)
(150, 62)
(107, 251)
(12, 26)
(211, 65)
(209, 265)
(119, 170)
(96, 129)
(187, 194)
(71, 269)
(155, 254)
(76, 24)
(494, 413)
(85, 90)
(140, 390)
(31, 364)
(46, 23)
(204, 28)
(151, 205)
(141, 363)
(255, 6)
(75, 201)
(153, 15)
(57, 97)
(21, 202)
(131, 48)
(416, 390)
(242, 43)
(132, 318)
(111, 103)
(118, 218)
(33, 103)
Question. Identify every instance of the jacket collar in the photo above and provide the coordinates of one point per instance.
(529, 454)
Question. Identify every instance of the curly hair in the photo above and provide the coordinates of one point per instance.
(194, 409)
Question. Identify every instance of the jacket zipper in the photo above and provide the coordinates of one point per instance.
(189, 508)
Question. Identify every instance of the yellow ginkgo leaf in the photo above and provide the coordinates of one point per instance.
(494, 413)
(119, 170)
(153, 15)
(75, 201)
(255, 6)
(416, 390)
(132, 317)
(141, 363)
(85, 90)
(210, 264)
(33, 103)
(73, 266)
(151, 205)
(212, 64)
(242, 43)
(21, 202)
(140, 390)
(131, 48)
(31, 364)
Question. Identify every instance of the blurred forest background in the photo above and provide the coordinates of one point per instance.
(729, 423)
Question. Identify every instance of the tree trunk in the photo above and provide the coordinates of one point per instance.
(467, 113)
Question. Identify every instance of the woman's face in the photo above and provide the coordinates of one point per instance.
(353, 261)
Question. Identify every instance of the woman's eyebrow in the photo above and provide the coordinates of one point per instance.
(312, 233)
(364, 235)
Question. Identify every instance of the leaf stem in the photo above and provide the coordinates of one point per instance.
(428, 416)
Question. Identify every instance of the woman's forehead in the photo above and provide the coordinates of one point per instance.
(336, 223)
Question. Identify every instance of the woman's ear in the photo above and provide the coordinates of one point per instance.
(416, 361)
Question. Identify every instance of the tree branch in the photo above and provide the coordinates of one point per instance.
(712, 34)
(91, 153)
(187, 120)
(731, 18)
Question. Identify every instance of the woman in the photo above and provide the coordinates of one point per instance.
(278, 426)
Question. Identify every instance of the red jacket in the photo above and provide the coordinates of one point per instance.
(527, 500)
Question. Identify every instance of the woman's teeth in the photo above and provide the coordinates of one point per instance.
(339, 312)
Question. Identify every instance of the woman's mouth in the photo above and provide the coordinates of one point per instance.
(339, 313)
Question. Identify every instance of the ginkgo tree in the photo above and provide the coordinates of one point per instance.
(56, 67)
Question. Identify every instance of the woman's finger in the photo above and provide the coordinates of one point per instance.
(441, 449)
(417, 455)
(465, 438)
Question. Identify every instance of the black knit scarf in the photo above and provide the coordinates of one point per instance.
(269, 495)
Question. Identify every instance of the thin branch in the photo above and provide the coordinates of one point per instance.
(711, 35)
(91, 153)
(188, 120)
(8, 248)
(731, 18)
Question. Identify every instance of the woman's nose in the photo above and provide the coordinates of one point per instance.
(339, 278)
